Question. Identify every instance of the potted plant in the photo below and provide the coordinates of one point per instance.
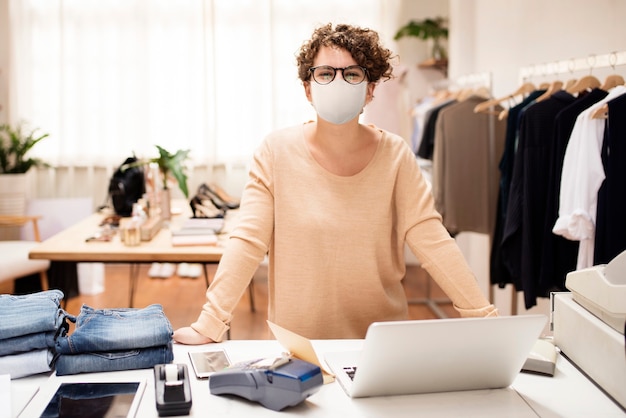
(170, 165)
(15, 144)
(429, 28)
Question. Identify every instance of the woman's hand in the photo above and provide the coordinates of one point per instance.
(190, 336)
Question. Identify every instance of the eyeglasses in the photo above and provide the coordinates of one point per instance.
(324, 74)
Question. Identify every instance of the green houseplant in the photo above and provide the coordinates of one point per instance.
(15, 143)
(429, 28)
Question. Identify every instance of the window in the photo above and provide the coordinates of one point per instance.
(110, 77)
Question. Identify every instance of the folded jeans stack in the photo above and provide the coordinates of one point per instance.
(115, 339)
(30, 326)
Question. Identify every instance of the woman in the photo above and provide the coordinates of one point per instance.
(333, 202)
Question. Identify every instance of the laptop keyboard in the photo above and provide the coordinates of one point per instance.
(350, 371)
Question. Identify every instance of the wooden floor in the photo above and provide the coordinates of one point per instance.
(182, 298)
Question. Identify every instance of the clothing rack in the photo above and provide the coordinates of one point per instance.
(574, 65)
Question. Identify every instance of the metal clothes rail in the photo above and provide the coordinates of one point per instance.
(574, 65)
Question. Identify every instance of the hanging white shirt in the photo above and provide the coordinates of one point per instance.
(581, 178)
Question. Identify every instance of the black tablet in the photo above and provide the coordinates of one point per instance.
(98, 399)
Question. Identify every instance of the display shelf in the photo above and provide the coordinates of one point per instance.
(435, 64)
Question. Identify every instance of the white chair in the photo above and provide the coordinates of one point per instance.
(14, 261)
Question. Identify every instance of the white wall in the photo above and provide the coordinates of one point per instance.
(503, 36)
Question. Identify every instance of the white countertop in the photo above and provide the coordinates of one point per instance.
(569, 393)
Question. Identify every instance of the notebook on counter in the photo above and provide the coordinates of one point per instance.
(437, 355)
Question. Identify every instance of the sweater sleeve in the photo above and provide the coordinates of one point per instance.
(245, 249)
(443, 260)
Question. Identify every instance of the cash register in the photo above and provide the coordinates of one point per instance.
(601, 290)
(588, 324)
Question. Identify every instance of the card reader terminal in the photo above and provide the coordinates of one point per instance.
(275, 383)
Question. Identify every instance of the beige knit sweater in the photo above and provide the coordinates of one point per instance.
(335, 244)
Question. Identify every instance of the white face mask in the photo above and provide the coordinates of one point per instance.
(338, 102)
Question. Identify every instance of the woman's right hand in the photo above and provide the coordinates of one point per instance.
(190, 336)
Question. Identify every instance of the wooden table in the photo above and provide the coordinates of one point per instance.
(72, 245)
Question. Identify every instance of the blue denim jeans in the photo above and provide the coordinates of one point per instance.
(29, 314)
(27, 364)
(141, 358)
(106, 330)
(28, 342)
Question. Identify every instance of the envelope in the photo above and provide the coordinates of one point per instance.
(300, 348)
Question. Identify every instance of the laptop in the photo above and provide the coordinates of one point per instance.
(437, 355)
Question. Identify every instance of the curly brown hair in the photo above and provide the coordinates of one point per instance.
(362, 43)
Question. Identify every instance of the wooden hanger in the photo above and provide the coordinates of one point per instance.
(551, 89)
(612, 81)
(491, 112)
(442, 96)
(524, 89)
(587, 82)
(464, 94)
(454, 95)
(601, 113)
(482, 92)
(569, 83)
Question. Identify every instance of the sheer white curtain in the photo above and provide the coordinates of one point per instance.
(110, 77)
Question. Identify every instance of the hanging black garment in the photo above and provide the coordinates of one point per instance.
(559, 255)
(499, 274)
(610, 220)
(524, 223)
(427, 145)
